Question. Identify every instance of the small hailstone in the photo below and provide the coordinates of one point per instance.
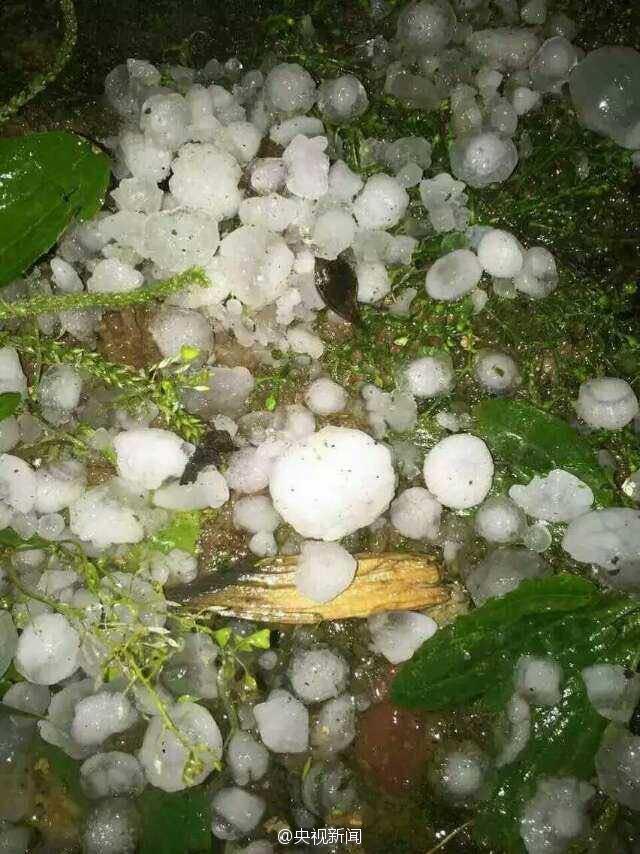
(497, 372)
(448, 421)
(178, 239)
(193, 669)
(60, 387)
(111, 827)
(397, 634)
(401, 307)
(458, 471)
(558, 497)
(453, 275)
(344, 184)
(255, 514)
(507, 48)
(58, 486)
(607, 403)
(47, 650)
(263, 544)
(501, 571)
(430, 376)
(381, 204)
(164, 756)
(539, 275)
(250, 468)
(289, 89)
(524, 100)
(609, 538)
(241, 139)
(137, 195)
(9, 434)
(98, 517)
(248, 760)
(479, 299)
(283, 132)
(283, 722)
(268, 175)
(101, 715)
(613, 690)
(307, 167)
(342, 99)
(618, 766)
(518, 716)
(426, 27)
(175, 567)
(334, 727)
(332, 483)
(373, 282)
(415, 513)
(25, 696)
(229, 390)
(483, 158)
(206, 178)
(143, 158)
(303, 341)
(65, 276)
(552, 64)
(462, 773)
(18, 483)
(333, 233)
(555, 815)
(318, 674)
(111, 774)
(325, 397)
(235, 812)
(538, 680)
(148, 456)
(500, 520)
(324, 570)
(164, 119)
(272, 211)
(112, 276)
(499, 253)
(175, 328)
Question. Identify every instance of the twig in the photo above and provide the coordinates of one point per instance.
(450, 836)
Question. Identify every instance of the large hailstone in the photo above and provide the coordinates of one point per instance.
(483, 158)
(608, 538)
(47, 650)
(555, 815)
(426, 27)
(607, 403)
(332, 483)
(558, 497)
(148, 456)
(342, 99)
(206, 178)
(381, 204)
(289, 89)
(454, 275)
(500, 254)
(458, 471)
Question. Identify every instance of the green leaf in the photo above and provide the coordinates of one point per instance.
(47, 180)
(10, 540)
(176, 822)
(532, 442)
(183, 533)
(9, 402)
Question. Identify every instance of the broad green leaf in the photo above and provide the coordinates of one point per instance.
(47, 180)
(183, 533)
(532, 442)
(9, 402)
(176, 822)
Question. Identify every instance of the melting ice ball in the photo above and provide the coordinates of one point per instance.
(458, 471)
(607, 403)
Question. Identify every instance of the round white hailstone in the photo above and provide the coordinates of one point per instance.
(430, 376)
(242, 139)
(134, 194)
(143, 158)
(343, 183)
(99, 518)
(502, 571)
(483, 158)
(274, 211)
(342, 99)
(286, 130)
(268, 175)
(177, 239)
(235, 813)
(332, 483)
(607, 403)
(148, 456)
(381, 204)
(373, 282)
(397, 634)
(175, 328)
(500, 520)
(111, 827)
(9, 434)
(263, 544)
(324, 397)
(333, 232)
(426, 27)
(618, 766)
(538, 680)
(307, 167)
(97, 717)
(555, 815)
(163, 755)
(463, 773)
(334, 727)
(558, 497)
(229, 389)
(247, 758)
(524, 100)
(303, 341)
(283, 722)
(12, 377)
(250, 468)
(318, 674)
(458, 471)
(164, 120)
(497, 372)
(537, 537)
(608, 538)
(59, 485)
(324, 570)
(453, 275)
(552, 64)
(59, 388)
(539, 275)
(8, 641)
(47, 650)
(255, 514)
(613, 690)
(25, 696)
(500, 254)
(289, 89)
(65, 277)
(415, 513)
(18, 483)
(113, 276)
(111, 774)
(205, 177)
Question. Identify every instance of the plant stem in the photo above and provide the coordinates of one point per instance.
(449, 837)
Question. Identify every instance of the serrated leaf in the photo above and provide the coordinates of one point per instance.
(9, 402)
(531, 442)
(182, 533)
(47, 180)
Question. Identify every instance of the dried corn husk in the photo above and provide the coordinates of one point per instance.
(266, 591)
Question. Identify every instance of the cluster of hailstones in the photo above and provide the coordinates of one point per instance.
(188, 163)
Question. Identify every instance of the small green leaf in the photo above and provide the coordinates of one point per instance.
(222, 637)
(10, 540)
(182, 533)
(258, 640)
(47, 180)
(532, 442)
(9, 402)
